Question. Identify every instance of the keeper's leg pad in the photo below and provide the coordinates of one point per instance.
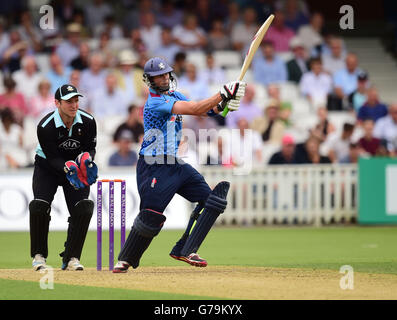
(39, 220)
(146, 226)
(79, 222)
(214, 206)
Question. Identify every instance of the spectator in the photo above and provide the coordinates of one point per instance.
(11, 140)
(29, 32)
(248, 109)
(189, 36)
(137, 43)
(279, 33)
(358, 97)
(129, 78)
(13, 100)
(81, 61)
(243, 32)
(132, 124)
(131, 19)
(124, 156)
(12, 56)
(43, 102)
(191, 85)
(196, 124)
(212, 74)
(354, 153)
(179, 64)
(27, 79)
(84, 102)
(58, 74)
(218, 39)
(65, 10)
(345, 80)
(316, 84)
(4, 38)
(368, 142)
(220, 158)
(169, 16)
(295, 17)
(297, 66)
(334, 61)
(108, 100)
(268, 68)
(204, 14)
(310, 34)
(233, 17)
(337, 144)
(93, 78)
(270, 127)
(150, 32)
(105, 49)
(273, 93)
(287, 153)
(111, 27)
(386, 129)
(68, 49)
(168, 48)
(309, 152)
(324, 127)
(80, 19)
(96, 12)
(372, 109)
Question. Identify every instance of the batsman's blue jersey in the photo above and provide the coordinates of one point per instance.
(163, 129)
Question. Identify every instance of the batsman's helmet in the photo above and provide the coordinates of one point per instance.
(156, 67)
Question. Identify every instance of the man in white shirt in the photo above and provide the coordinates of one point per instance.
(150, 32)
(337, 145)
(93, 78)
(243, 32)
(310, 34)
(386, 129)
(211, 73)
(336, 60)
(28, 78)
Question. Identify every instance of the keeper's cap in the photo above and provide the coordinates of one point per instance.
(66, 91)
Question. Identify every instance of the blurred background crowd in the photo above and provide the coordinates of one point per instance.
(309, 100)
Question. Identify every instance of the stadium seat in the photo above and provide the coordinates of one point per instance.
(227, 59)
(197, 58)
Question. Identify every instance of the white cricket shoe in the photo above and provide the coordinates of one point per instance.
(39, 263)
(73, 265)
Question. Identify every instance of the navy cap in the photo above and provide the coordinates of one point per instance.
(66, 92)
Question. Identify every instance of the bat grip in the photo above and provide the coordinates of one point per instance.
(225, 112)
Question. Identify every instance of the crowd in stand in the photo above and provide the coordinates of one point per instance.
(84, 49)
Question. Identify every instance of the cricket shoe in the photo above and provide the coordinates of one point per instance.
(121, 267)
(73, 265)
(39, 263)
(192, 259)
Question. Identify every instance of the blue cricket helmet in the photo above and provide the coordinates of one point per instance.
(157, 66)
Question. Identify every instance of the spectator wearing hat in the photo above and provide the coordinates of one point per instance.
(297, 66)
(279, 33)
(386, 129)
(287, 153)
(168, 48)
(124, 156)
(372, 109)
(133, 124)
(358, 97)
(68, 49)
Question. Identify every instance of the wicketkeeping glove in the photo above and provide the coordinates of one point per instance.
(88, 167)
(74, 175)
(233, 90)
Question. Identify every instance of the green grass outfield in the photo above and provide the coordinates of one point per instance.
(366, 249)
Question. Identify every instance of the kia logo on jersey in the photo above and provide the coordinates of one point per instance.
(70, 144)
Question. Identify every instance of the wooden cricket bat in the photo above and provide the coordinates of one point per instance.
(251, 51)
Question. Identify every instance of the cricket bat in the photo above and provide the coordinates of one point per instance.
(251, 51)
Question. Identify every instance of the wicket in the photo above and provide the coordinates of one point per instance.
(111, 220)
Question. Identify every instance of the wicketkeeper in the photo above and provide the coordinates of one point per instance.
(160, 175)
(64, 157)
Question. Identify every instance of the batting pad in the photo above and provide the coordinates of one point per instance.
(39, 220)
(214, 206)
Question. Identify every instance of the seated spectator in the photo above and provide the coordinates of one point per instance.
(74, 79)
(337, 144)
(212, 74)
(11, 140)
(218, 39)
(150, 32)
(197, 123)
(279, 33)
(4, 37)
(334, 61)
(27, 79)
(132, 124)
(310, 34)
(167, 48)
(273, 92)
(270, 127)
(124, 156)
(108, 100)
(179, 64)
(243, 32)
(316, 84)
(111, 27)
(68, 49)
(372, 108)
(386, 129)
(129, 78)
(354, 153)
(295, 17)
(43, 102)
(309, 152)
(248, 109)
(268, 68)
(297, 66)
(287, 153)
(359, 96)
(13, 100)
(58, 74)
(169, 16)
(29, 32)
(137, 43)
(13, 54)
(93, 78)
(191, 85)
(205, 14)
(108, 53)
(324, 127)
(81, 61)
(95, 12)
(189, 36)
(368, 142)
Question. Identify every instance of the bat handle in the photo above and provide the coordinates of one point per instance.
(225, 112)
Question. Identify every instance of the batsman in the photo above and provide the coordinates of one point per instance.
(67, 142)
(160, 174)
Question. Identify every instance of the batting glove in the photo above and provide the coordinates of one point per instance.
(233, 105)
(233, 90)
(74, 175)
(88, 168)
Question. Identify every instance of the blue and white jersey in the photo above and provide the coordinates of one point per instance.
(162, 127)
